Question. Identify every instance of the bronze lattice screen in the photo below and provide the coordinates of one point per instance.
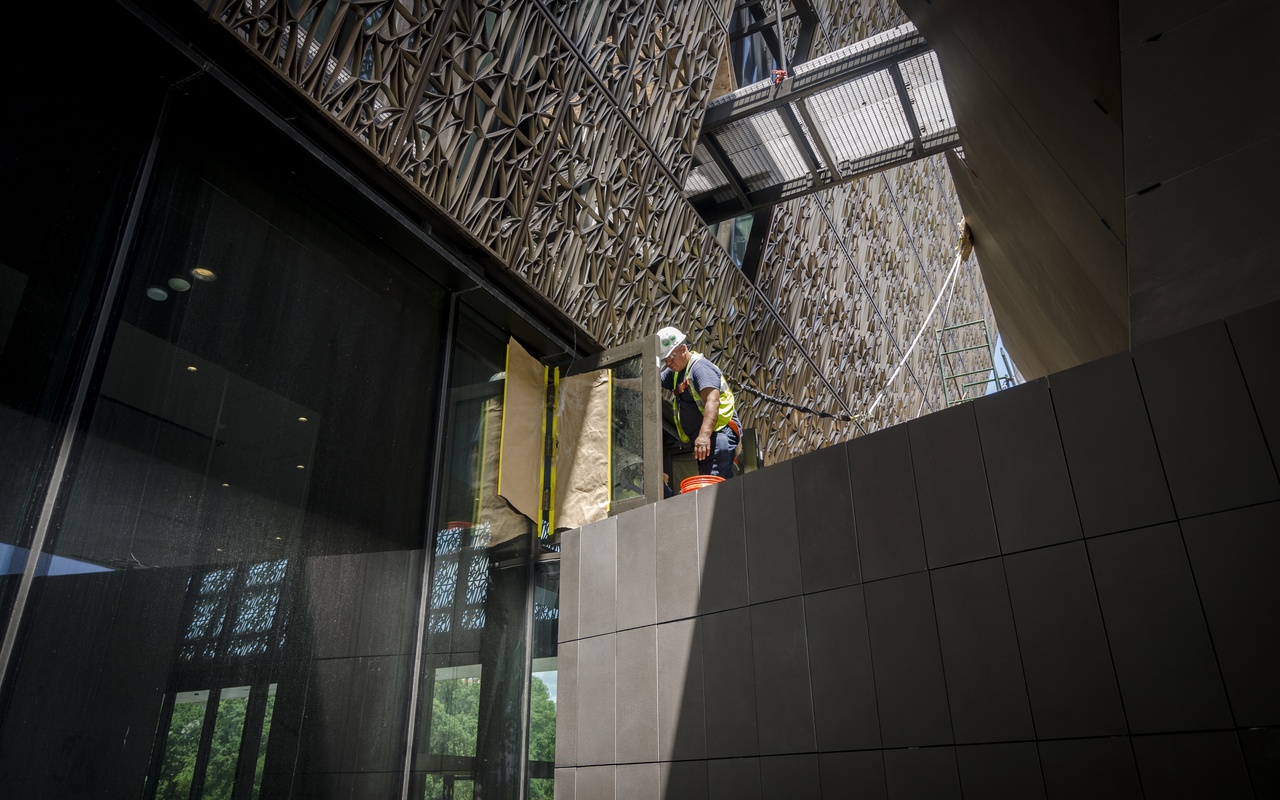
(558, 135)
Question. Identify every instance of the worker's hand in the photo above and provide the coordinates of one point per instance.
(702, 446)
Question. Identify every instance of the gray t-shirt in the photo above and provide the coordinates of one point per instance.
(701, 374)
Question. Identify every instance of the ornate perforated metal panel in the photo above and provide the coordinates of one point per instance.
(361, 62)
(557, 134)
(233, 613)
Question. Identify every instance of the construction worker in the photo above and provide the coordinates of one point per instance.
(702, 406)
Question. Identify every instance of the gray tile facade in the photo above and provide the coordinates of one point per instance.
(1058, 591)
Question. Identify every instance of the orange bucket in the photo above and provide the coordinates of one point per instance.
(695, 482)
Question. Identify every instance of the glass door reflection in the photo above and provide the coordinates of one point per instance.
(471, 685)
(216, 742)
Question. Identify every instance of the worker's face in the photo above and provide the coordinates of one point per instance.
(679, 357)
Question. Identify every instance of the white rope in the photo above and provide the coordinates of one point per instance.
(923, 327)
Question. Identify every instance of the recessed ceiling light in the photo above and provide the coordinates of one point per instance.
(225, 485)
(300, 466)
(279, 538)
(157, 294)
(191, 369)
(202, 274)
(302, 419)
(219, 549)
(179, 284)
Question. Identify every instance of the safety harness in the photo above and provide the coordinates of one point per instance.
(725, 415)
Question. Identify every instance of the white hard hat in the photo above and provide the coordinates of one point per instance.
(668, 339)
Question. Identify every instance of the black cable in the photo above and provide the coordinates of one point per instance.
(768, 398)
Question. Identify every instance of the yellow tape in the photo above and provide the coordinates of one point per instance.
(555, 443)
(478, 473)
(608, 461)
(542, 459)
(502, 434)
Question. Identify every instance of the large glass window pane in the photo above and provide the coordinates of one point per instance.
(752, 58)
(224, 747)
(182, 745)
(248, 504)
(734, 235)
(209, 733)
(543, 694)
(627, 430)
(55, 248)
(474, 660)
(265, 736)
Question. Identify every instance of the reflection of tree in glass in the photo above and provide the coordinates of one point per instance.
(262, 744)
(180, 752)
(542, 789)
(220, 775)
(183, 744)
(542, 737)
(628, 429)
(455, 712)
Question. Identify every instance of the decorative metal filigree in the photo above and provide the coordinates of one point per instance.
(232, 612)
(583, 211)
(359, 61)
(550, 131)
(672, 79)
(844, 22)
(607, 32)
(480, 128)
(477, 579)
(459, 578)
(444, 581)
(543, 612)
(866, 273)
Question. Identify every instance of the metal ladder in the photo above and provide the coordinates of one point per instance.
(955, 388)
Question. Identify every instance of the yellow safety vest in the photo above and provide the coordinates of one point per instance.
(726, 398)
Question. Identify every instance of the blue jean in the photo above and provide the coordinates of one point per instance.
(724, 446)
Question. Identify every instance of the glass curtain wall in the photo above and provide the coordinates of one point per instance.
(236, 553)
(56, 246)
(544, 697)
(260, 544)
(733, 235)
(473, 676)
(753, 60)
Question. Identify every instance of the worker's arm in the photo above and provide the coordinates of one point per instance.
(710, 413)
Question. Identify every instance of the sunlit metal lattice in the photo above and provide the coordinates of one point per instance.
(233, 612)
(558, 136)
(459, 578)
(544, 612)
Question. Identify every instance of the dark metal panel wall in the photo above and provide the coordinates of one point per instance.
(1133, 654)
